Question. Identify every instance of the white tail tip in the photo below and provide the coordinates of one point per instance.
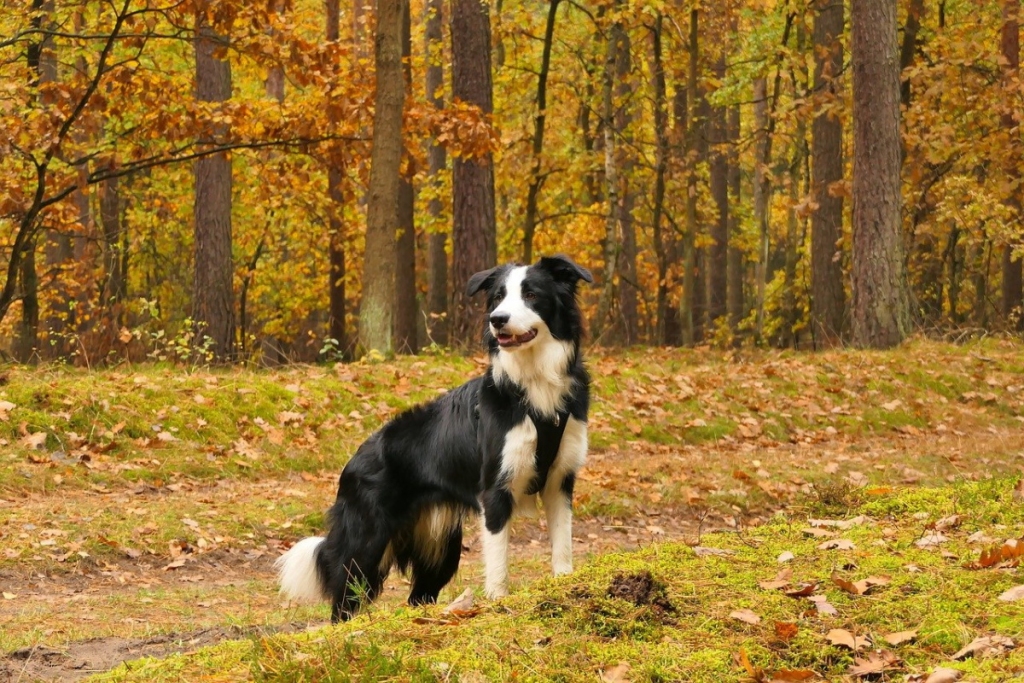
(297, 573)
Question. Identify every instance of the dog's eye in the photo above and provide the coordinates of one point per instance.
(529, 296)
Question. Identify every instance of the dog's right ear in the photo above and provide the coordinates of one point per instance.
(481, 280)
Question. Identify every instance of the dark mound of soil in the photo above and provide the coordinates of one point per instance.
(641, 589)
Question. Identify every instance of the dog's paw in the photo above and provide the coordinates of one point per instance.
(496, 592)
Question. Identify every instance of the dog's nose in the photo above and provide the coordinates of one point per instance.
(499, 319)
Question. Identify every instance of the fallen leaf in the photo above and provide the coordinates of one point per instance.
(9, 596)
(34, 441)
(930, 540)
(823, 606)
(837, 544)
(781, 580)
(802, 590)
(785, 557)
(947, 523)
(900, 637)
(755, 673)
(701, 551)
(785, 630)
(987, 645)
(859, 587)
(431, 621)
(1003, 556)
(6, 407)
(819, 533)
(873, 663)
(786, 675)
(1012, 595)
(616, 674)
(843, 638)
(944, 675)
(463, 603)
(746, 616)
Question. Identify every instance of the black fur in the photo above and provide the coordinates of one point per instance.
(447, 453)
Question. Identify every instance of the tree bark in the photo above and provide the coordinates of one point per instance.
(115, 289)
(474, 241)
(335, 223)
(602, 321)
(907, 48)
(718, 252)
(624, 211)
(689, 302)
(57, 248)
(437, 258)
(762, 190)
(406, 308)
(540, 116)
(736, 301)
(1013, 283)
(26, 330)
(828, 299)
(382, 219)
(881, 302)
(666, 331)
(212, 294)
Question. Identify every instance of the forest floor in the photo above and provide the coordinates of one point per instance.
(141, 509)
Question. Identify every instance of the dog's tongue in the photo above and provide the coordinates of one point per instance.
(515, 339)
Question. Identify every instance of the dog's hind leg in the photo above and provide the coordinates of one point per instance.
(431, 571)
(356, 559)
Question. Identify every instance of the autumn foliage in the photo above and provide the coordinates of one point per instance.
(644, 106)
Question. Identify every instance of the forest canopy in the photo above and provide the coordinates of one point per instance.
(687, 152)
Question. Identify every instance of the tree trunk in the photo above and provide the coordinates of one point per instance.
(474, 241)
(437, 259)
(718, 253)
(736, 302)
(536, 177)
(382, 219)
(57, 243)
(689, 302)
(115, 289)
(907, 49)
(406, 308)
(624, 210)
(1013, 292)
(212, 295)
(335, 222)
(666, 331)
(827, 295)
(881, 302)
(274, 84)
(602, 322)
(26, 329)
(761, 195)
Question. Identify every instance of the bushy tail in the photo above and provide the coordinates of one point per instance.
(298, 574)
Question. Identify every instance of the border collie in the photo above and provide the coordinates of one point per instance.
(491, 446)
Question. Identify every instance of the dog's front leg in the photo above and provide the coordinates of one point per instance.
(557, 499)
(495, 526)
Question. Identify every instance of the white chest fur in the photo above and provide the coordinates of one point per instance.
(540, 370)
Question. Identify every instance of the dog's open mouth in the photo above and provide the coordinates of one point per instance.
(506, 340)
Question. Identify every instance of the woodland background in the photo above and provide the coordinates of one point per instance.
(225, 179)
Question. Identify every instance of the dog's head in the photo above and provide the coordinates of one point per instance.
(527, 304)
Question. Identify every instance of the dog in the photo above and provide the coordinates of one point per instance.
(492, 446)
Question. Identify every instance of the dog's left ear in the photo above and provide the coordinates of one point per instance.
(564, 269)
(481, 280)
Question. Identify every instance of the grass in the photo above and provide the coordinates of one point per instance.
(571, 629)
(144, 466)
